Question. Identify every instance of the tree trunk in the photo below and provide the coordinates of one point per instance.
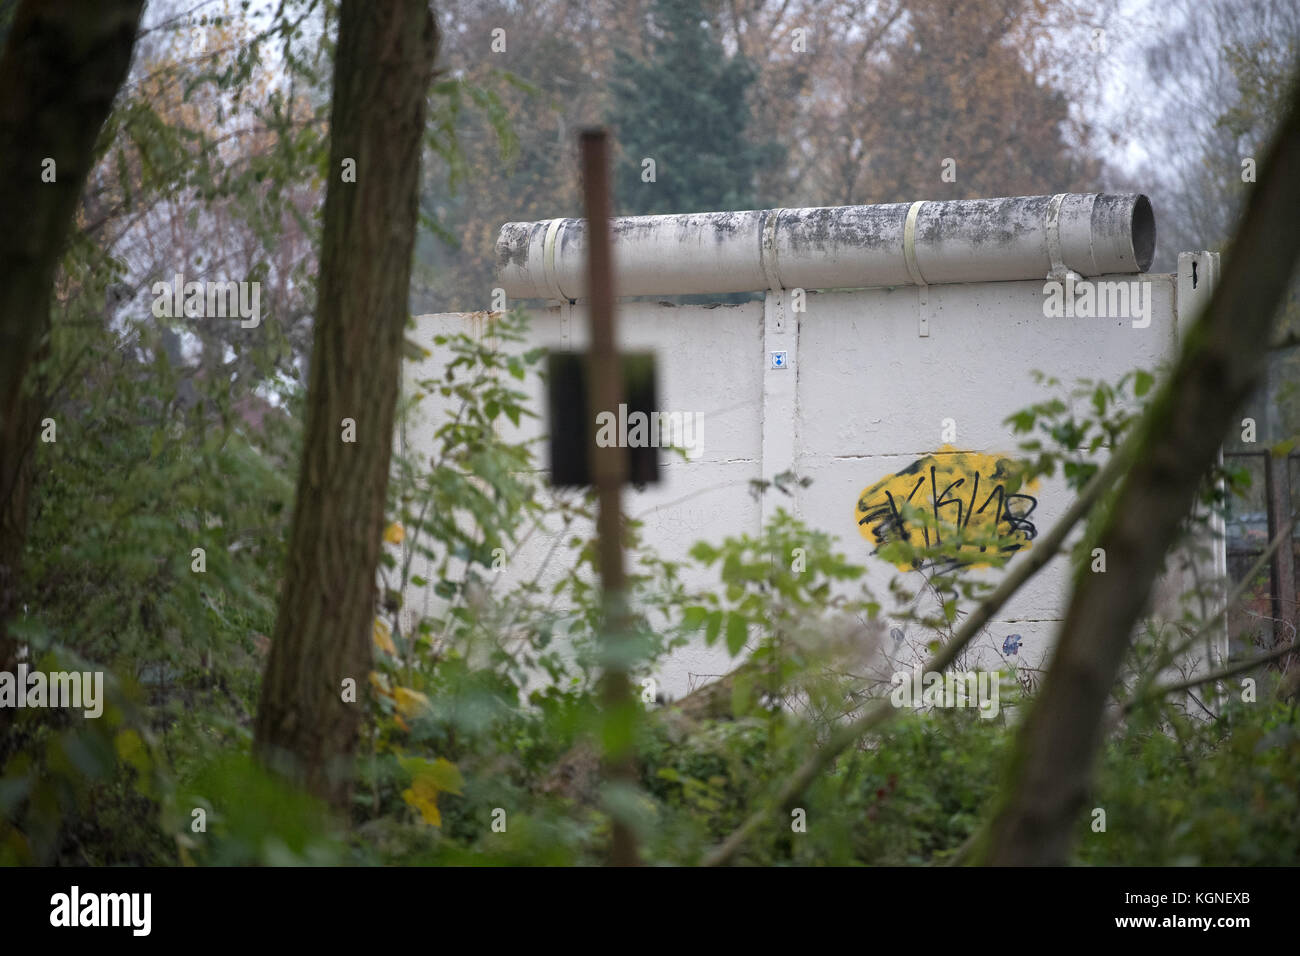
(1179, 438)
(63, 63)
(382, 72)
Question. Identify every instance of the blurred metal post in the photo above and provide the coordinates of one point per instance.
(1277, 488)
(609, 464)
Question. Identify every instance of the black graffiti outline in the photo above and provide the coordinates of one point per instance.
(891, 525)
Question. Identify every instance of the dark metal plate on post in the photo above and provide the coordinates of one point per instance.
(575, 426)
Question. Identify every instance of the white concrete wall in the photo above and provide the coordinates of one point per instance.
(864, 395)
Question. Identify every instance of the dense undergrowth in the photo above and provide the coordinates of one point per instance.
(481, 712)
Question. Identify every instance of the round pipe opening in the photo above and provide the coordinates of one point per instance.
(1143, 226)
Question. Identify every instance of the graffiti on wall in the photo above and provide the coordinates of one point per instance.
(966, 503)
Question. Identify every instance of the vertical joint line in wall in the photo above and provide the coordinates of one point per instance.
(1193, 284)
(914, 269)
(1219, 530)
(780, 398)
(797, 505)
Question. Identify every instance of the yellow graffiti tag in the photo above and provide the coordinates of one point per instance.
(966, 506)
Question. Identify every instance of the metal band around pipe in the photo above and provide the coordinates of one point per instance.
(909, 243)
(1054, 252)
(767, 251)
(548, 259)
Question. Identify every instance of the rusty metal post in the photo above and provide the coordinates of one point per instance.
(1277, 488)
(609, 467)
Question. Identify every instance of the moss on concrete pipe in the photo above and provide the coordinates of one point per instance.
(838, 247)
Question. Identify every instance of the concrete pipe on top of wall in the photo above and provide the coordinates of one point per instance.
(838, 247)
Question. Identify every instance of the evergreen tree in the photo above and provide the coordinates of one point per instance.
(684, 107)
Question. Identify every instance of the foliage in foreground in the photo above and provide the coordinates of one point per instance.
(482, 719)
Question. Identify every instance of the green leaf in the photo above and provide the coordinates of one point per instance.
(737, 631)
(1022, 421)
(703, 552)
(714, 629)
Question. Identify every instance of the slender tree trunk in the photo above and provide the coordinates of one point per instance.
(1179, 438)
(382, 72)
(63, 63)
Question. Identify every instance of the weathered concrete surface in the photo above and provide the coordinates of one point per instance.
(837, 247)
(864, 396)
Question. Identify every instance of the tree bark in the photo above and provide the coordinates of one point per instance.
(1177, 441)
(63, 63)
(382, 73)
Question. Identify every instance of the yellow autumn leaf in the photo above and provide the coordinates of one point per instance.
(409, 702)
(394, 533)
(384, 638)
(428, 779)
(423, 795)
